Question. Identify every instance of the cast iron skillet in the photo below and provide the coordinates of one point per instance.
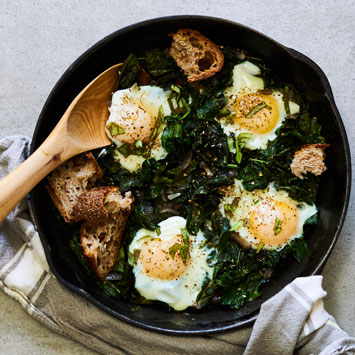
(291, 66)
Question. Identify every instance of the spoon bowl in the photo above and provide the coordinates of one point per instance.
(81, 128)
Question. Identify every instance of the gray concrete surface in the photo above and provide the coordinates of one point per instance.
(40, 39)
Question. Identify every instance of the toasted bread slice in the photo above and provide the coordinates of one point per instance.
(195, 54)
(105, 212)
(309, 159)
(70, 180)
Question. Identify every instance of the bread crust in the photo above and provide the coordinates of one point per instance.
(97, 204)
(309, 159)
(102, 231)
(195, 54)
(66, 183)
(90, 205)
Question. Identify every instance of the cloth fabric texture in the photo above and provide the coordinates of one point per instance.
(293, 321)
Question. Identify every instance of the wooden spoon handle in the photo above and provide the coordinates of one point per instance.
(15, 186)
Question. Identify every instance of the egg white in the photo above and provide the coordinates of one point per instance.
(148, 99)
(181, 292)
(246, 80)
(246, 201)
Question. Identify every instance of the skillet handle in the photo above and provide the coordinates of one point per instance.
(15, 186)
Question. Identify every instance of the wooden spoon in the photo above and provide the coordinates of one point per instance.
(81, 128)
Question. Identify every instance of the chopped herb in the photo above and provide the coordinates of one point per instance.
(230, 141)
(239, 145)
(125, 150)
(236, 226)
(260, 246)
(158, 124)
(173, 249)
(277, 226)
(228, 207)
(139, 144)
(115, 129)
(203, 243)
(223, 112)
(177, 184)
(184, 249)
(256, 202)
(256, 109)
(233, 166)
(128, 149)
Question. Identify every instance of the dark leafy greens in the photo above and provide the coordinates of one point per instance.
(200, 161)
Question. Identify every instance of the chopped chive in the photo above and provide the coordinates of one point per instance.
(277, 226)
(256, 109)
(236, 226)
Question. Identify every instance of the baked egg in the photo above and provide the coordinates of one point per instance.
(253, 109)
(134, 122)
(162, 272)
(267, 219)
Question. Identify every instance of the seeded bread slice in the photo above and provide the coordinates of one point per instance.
(195, 54)
(309, 159)
(70, 180)
(105, 212)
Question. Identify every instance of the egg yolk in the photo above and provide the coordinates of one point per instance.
(136, 121)
(157, 261)
(256, 112)
(273, 222)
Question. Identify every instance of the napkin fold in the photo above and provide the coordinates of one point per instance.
(293, 321)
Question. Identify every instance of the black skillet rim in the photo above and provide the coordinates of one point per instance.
(327, 91)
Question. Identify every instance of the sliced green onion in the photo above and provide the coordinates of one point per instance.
(115, 129)
(139, 144)
(125, 150)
